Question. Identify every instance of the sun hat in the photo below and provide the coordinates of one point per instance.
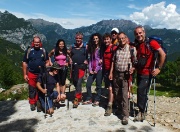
(115, 29)
(55, 66)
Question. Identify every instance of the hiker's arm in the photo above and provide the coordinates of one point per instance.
(38, 84)
(51, 53)
(162, 57)
(24, 67)
(59, 91)
(111, 71)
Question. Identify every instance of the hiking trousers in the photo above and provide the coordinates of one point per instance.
(143, 82)
(120, 89)
(90, 80)
(33, 95)
(49, 100)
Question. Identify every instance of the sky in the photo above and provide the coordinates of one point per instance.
(72, 14)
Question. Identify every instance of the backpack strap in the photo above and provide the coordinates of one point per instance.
(133, 57)
(28, 51)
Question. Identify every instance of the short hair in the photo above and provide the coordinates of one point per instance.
(107, 35)
(139, 27)
(79, 34)
(36, 37)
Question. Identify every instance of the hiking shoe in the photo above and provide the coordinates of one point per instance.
(124, 120)
(108, 110)
(140, 117)
(75, 103)
(32, 107)
(96, 103)
(39, 107)
(87, 102)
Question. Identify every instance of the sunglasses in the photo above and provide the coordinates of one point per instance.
(113, 32)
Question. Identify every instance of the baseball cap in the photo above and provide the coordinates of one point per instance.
(115, 29)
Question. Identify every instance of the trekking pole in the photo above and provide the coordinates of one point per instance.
(69, 86)
(129, 87)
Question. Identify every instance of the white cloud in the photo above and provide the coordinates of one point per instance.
(158, 16)
(131, 6)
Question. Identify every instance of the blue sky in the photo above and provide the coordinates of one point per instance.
(76, 13)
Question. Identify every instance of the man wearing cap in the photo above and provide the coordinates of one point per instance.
(51, 80)
(114, 35)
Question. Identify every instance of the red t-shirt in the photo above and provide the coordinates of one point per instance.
(150, 62)
(107, 57)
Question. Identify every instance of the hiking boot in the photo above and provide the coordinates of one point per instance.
(39, 107)
(124, 120)
(32, 107)
(140, 117)
(75, 103)
(108, 110)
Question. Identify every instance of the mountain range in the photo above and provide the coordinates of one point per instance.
(20, 32)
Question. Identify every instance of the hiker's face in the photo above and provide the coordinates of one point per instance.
(37, 42)
(96, 40)
(61, 44)
(55, 71)
(122, 38)
(139, 34)
(107, 41)
(79, 39)
(114, 35)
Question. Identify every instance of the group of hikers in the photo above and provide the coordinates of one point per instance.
(111, 58)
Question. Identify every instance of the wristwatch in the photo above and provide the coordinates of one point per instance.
(159, 67)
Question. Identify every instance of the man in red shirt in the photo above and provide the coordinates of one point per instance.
(145, 68)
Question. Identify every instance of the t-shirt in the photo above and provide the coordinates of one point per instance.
(107, 57)
(50, 83)
(35, 60)
(144, 50)
(60, 59)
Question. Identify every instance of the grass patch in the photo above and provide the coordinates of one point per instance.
(10, 96)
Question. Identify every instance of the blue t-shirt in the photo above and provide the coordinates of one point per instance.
(35, 60)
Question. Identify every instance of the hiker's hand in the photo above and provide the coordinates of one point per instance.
(110, 76)
(66, 64)
(131, 70)
(91, 72)
(86, 62)
(95, 72)
(155, 72)
(59, 97)
(44, 91)
(26, 78)
(100, 61)
(63, 96)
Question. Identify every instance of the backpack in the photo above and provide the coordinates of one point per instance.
(32, 48)
(160, 42)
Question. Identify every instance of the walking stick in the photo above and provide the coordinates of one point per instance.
(44, 79)
(69, 86)
(152, 81)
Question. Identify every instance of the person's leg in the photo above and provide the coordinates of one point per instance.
(63, 83)
(124, 101)
(98, 85)
(33, 97)
(88, 87)
(143, 83)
